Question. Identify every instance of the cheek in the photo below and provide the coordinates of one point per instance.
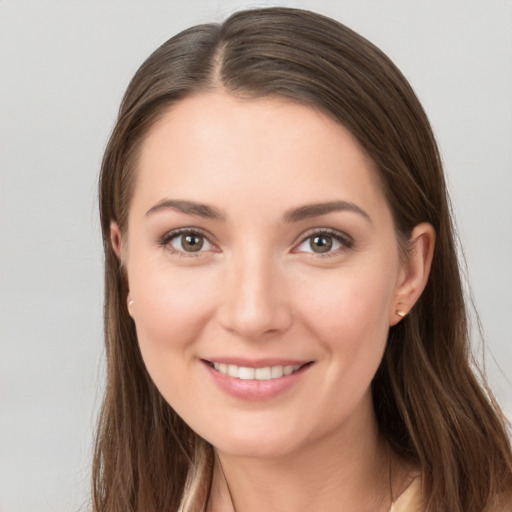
(361, 296)
(170, 310)
(349, 312)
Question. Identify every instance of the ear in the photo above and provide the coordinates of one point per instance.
(414, 272)
(116, 240)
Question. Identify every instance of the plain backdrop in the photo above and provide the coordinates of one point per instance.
(63, 68)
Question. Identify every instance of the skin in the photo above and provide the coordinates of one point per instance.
(259, 288)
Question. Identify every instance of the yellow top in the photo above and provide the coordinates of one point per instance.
(410, 500)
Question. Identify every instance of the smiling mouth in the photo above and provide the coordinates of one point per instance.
(263, 373)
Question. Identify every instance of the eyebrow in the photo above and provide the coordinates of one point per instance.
(317, 209)
(295, 215)
(190, 208)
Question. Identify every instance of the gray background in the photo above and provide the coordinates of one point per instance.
(63, 68)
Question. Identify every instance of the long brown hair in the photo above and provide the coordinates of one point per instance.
(430, 406)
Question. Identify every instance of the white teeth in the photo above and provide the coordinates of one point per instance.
(264, 373)
(276, 372)
(288, 370)
(245, 373)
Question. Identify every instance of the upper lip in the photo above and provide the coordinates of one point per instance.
(257, 363)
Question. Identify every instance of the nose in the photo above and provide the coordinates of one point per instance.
(255, 302)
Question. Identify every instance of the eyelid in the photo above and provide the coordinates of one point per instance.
(165, 240)
(346, 241)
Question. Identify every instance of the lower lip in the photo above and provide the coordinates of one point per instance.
(255, 390)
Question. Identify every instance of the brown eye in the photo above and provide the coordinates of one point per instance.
(189, 242)
(192, 243)
(321, 243)
(325, 243)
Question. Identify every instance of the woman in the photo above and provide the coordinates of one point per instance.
(284, 320)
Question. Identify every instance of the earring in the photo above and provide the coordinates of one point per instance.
(401, 314)
(130, 303)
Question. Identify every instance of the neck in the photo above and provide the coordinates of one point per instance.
(348, 470)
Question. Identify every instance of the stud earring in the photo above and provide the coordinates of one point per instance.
(401, 314)
(130, 303)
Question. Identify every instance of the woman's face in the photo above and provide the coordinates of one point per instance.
(264, 272)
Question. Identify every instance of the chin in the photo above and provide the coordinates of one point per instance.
(255, 442)
(254, 448)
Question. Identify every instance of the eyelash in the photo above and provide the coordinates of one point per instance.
(344, 240)
(166, 240)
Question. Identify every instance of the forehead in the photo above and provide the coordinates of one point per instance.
(213, 144)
